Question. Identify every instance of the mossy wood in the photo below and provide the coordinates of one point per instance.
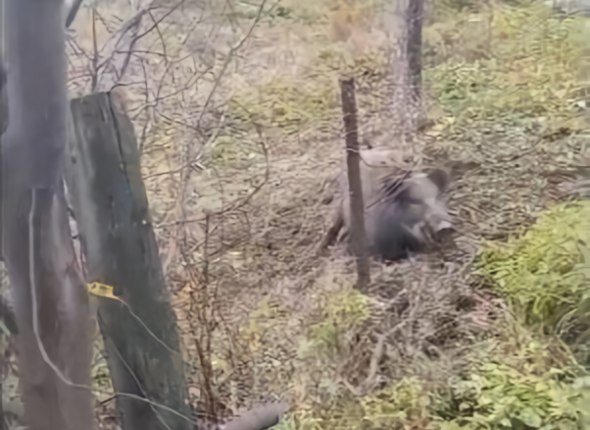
(111, 207)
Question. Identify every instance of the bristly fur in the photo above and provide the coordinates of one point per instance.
(398, 220)
(404, 208)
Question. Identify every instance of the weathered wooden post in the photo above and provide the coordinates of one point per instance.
(358, 236)
(111, 207)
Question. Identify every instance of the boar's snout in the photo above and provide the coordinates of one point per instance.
(443, 230)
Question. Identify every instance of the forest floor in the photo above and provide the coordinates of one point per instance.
(238, 245)
(289, 324)
(238, 238)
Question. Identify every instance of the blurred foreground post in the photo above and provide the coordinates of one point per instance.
(51, 303)
(111, 207)
(358, 237)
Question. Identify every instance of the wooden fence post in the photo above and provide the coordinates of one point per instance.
(358, 236)
(111, 208)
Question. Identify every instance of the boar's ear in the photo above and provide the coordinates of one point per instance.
(439, 177)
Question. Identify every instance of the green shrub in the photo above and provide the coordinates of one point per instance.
(498, 396)
(401, 406)
(543, 274)
(343, 312)
(515, 381)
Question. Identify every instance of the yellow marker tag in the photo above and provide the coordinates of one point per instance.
(101, 290)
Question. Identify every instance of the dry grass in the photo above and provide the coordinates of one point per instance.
(238, 244)
(240, 253)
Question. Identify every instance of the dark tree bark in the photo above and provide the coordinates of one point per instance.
(51, 303)
(7, 317)
(118, 240)
(3, 96)
(358, 237)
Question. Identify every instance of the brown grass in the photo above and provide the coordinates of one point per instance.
(238, 245)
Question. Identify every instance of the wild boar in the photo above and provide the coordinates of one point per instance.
(404, 208)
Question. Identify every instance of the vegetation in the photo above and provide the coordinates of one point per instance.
(517, 379)
(526, 371)
(544, 274)
(514, 358)
(285, 104)
(491, 334)
(532, 67)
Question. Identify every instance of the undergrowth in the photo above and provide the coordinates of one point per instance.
(527, 373)
(516, 379)
(517, 383)
(527, 63)
(544, 274)
(284, 103)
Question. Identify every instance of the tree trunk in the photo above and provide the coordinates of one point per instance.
(3, 97)
(406, 39)
(51, 302)
(415, 19)
(358, 237)
(111, 208)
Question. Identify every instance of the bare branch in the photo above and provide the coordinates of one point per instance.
(74, 6)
